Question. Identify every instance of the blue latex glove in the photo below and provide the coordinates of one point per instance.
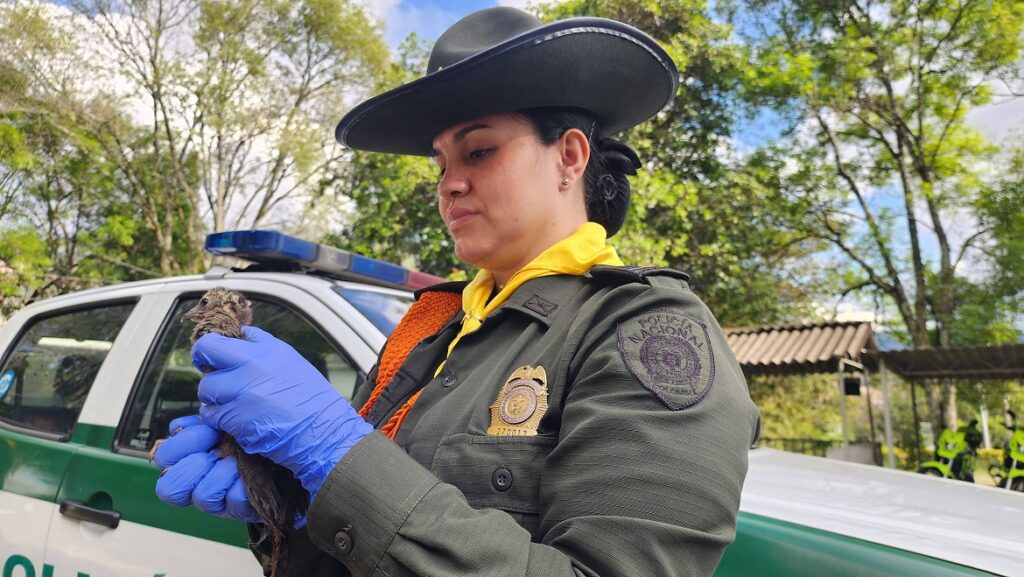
(274, 403)
(194, 473)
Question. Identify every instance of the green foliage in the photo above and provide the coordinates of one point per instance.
(13, 152)
(797, 407)
(239, 97)
(395, 197)
(697, 207)
(396, 208)
(24, 260)
(878, 98)
(881, 99)
(1001, 211)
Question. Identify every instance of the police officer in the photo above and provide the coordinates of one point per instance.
(560, 414)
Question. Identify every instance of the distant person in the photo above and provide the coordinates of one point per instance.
(972, 435)
(559, 415)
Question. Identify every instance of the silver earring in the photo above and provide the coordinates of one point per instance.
(565, 181)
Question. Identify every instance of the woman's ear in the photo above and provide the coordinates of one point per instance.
(575, 153)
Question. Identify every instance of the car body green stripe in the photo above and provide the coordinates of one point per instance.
(766, 546)
(31, 466)
(87, 470)
(98, 436)
(99, 476)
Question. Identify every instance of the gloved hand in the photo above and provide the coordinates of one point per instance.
(274, 403)
(194, 473)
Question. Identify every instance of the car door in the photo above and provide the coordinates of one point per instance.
(51, 363)
(124, 529)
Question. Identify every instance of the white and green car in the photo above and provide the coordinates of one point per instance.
(89, 381)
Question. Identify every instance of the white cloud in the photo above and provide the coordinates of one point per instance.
(382, 10)
(1000, 121)
(523, 4)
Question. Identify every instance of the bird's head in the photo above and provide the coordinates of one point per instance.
(221, 301)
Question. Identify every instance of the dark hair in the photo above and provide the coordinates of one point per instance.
(606, 188)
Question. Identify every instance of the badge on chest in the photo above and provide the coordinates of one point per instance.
(522, 402)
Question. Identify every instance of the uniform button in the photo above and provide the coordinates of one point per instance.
(449, 380)
(502, 479)
(344, 542)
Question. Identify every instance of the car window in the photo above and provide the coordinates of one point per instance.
(169, 385)
(382, 309)
(44, 381)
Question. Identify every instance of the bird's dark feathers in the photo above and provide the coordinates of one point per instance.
(274, 493)
(221, 311)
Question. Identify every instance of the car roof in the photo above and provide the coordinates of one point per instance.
(960, 522)
(297, 279)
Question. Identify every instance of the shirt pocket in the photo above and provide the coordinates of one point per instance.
(496, 472)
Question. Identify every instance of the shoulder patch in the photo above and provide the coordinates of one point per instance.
(670, 354)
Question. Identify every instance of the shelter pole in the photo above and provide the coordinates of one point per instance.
(983, 409)
(890, 457)
(917, 421)
(871, 414)
(842, 406)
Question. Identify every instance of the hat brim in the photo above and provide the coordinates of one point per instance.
(611, 69)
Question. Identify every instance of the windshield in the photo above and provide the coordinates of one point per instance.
(384, 310)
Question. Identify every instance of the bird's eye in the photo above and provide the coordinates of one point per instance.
(203, 302)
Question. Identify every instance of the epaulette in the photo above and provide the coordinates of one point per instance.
(633, 273)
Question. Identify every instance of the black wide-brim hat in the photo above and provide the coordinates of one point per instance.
(503, 60)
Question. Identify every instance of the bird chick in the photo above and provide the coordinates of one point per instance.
(220, 311)
(274, 493)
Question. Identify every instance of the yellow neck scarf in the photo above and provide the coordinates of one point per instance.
(573, 255)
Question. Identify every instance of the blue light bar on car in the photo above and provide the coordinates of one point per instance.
(273, 247)
(261, 245)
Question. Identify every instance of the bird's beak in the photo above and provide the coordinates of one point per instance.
(192, 314)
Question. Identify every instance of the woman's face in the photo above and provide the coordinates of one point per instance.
(501, 194)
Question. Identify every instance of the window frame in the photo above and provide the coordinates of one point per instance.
(43, 316)
(151, 351)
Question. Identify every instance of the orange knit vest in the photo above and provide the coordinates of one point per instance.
(425, 317)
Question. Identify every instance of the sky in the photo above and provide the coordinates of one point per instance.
(427, 18)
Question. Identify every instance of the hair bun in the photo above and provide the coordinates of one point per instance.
(618, 157)
(608, 207)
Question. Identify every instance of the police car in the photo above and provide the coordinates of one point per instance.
(89, 381)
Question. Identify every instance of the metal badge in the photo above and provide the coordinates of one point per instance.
(522, 402)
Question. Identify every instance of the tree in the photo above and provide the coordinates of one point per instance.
(1000, 210)
(240, 96)
(698, 205)
(128, 131)
(394, 198)
(880, 152)
(52, 182)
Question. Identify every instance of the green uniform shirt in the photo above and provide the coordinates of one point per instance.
(635, 469)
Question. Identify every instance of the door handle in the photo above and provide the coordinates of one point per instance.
(79, 510)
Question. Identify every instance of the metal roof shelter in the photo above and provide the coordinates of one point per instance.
(807, 349)
(799, 349)
(981, 362)
(815, 348)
